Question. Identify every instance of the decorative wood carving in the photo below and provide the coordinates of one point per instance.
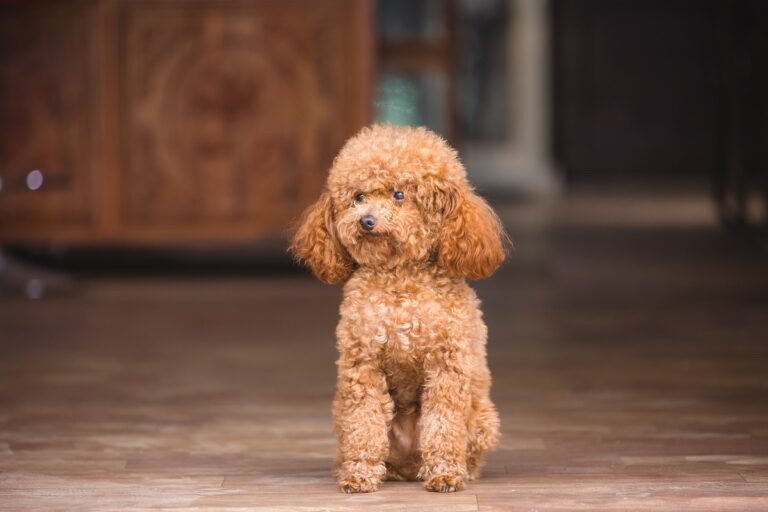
(46, 114)
(175, 121)
(228, 109)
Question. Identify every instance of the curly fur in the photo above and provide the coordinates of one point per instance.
(412, 398)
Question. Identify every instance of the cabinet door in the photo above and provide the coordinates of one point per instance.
(231, 111)
(47, 120)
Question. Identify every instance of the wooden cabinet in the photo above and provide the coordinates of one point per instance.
(48, 119)
(175, 121)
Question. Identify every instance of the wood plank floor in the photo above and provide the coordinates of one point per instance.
(630, 367)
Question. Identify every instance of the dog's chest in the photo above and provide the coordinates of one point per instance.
(402, 322)
(398, 324)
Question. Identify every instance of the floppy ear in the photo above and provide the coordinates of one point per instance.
(472, 241)
(316, 245)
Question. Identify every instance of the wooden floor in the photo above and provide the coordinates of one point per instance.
(630, 364)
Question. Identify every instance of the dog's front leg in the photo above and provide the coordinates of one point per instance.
(446, 400)
(362, 411)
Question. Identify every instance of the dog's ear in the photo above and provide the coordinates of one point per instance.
(315, 243)
(472, 241)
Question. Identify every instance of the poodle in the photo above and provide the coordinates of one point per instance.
(401, 226)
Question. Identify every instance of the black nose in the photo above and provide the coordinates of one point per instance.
(368, 222)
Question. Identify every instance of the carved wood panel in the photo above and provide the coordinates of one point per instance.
(47, 115)
(174, 121)
(231, 111)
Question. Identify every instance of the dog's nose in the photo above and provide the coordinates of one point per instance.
(368, 222)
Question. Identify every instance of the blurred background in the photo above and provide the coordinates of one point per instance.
(157, 130)
(155, 154)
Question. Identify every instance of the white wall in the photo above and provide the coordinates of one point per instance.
(523, 163)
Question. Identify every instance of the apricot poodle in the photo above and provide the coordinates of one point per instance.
(401, 226)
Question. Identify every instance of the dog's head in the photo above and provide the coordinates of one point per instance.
(397, 196)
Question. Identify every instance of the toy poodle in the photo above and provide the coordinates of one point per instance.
(401, 226)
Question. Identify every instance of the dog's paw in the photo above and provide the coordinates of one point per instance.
(445, 483)
(359, 477)
(356, 484)
(358, 487)
(443, 477)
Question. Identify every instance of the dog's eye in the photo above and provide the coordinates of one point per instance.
(399, 196)
(360, 197)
